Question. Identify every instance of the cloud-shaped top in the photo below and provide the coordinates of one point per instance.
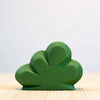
(52, 69)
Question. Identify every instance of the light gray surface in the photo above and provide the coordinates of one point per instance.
(30, 25)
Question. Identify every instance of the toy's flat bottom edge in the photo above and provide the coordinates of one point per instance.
(71, 87)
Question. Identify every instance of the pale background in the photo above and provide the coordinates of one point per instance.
(30, 25)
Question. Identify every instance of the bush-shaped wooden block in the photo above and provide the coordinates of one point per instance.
(52, 69)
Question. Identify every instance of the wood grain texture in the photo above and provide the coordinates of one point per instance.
(88, 88)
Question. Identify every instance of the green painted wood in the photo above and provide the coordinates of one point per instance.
(52, 69)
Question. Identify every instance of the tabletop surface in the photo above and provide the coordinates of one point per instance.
(88, 88)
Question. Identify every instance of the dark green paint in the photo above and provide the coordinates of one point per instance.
(52, 69)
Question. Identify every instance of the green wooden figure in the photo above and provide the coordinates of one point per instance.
(52, 69)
